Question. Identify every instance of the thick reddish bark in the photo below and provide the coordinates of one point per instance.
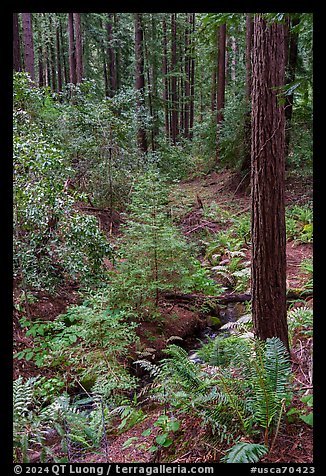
(268, 280)
(52, 55)
(64, 60)
(28, 44)
(79, 48)
(16, 44)
(140, 80)
(72, 53)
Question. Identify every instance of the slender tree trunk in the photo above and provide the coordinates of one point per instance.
(268, 281)
(59, 56)
(290, 78)
(174, 97)
(16, 44)
(154, 68)
(118, 54)
(28, 44)
(246, 163)
(64, 58)
(221, 82)
(192, 77)
(234, 58)
(187, 76)
(111, 57)
(52, 55)
(140, 81)
(72, 54)
(165, 81)
(79, 48)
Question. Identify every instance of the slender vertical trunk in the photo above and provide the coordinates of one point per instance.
(221, 82)
(165, 81)
(174, 97)
(192, 77)
(111, 57)
(245, 166)
(52, 55)
(79, 48)
(16, 44)
(187, 77)
(64, 58)
(154, 67)
(149, 85)
(72, 57)
(290, 78)
(117, 55)
(234, 58)
(268, 184)
(28, 44)
(41, 79)
(140, 81)
(59, 67)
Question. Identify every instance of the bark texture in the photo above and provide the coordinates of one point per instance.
(79, 48)
(28, 44)
(72, 52)
(16, 44)
(140, 80)
(268, 286)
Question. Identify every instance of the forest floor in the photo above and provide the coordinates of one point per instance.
(194, 205)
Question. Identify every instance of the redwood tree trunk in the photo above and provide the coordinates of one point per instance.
(28, 44)
(290, 77)
(174, 98)
(140, 81)
(59, 67)
(268, 279)
(72, 57)
(221, 81)
(165, 81)
(16, 44)
(79, 48)
(192, 76)
(112, 75)
(245, 167)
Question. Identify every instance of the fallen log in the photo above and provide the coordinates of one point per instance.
(227, 298)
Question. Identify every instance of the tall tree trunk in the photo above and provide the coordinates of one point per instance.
(154, 68)
(59, 67)
(52, 55)
(72, 54)
(234, 58)
(79, 48)
(140, 81)
(64, 57)
(111, 57)
(290, 78)
(268, 280)
(192, 77)
(16, 44)
(118, 54)
(187, 76)
(165, 81)
(174, 97)
(245, 166)
(221, 82)
(28, 44)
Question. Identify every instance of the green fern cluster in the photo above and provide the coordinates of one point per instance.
(241, 391)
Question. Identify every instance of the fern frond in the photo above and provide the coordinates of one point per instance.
(245, 453)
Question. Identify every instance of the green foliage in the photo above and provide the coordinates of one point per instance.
(305, 414)
(241, 391)
(245, 453)
(300, 322)
(155, 258)
(52, 240)
(299, 223)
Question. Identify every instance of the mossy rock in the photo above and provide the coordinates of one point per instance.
(88, 382)
(214, 321)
